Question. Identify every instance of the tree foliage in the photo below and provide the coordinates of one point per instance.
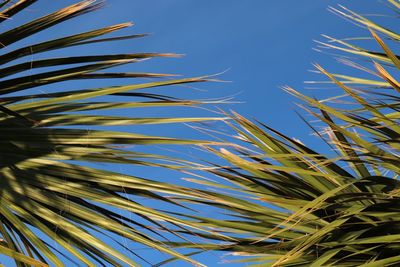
(300, 207)
(55, 206)
(287, 204)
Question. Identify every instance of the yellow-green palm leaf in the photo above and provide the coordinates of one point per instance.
(47, 140)
(290, 205)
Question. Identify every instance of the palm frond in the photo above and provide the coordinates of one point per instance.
(49, 190)
(299, 207)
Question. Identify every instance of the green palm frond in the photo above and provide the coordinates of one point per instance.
(289, 205)
(48, 189)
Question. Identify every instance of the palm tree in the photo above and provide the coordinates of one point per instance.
(56, 206)
(290, 205)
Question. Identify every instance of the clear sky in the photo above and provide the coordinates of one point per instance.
(261, 44)
(264, 44)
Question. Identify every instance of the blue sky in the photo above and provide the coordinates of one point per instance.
(261, 44)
